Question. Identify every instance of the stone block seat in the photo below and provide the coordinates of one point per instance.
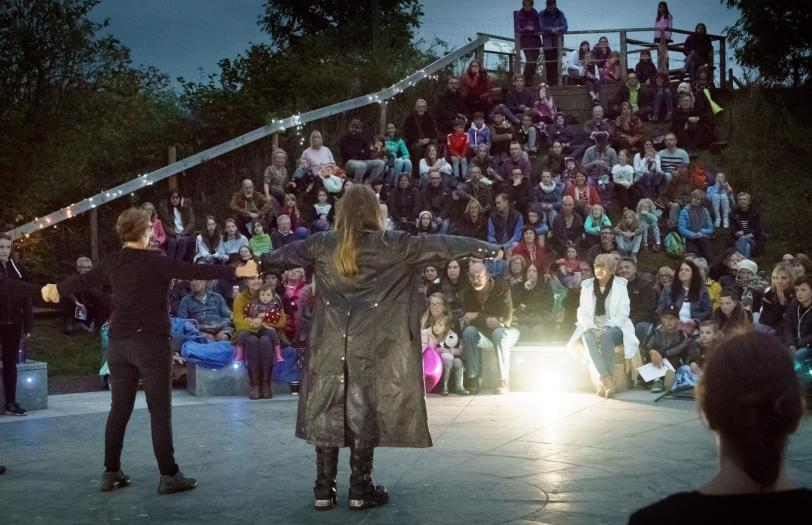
(32, 385)
(202, 380)
(537, 366)
(625, 370)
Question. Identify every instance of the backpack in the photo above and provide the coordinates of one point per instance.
(674, 245)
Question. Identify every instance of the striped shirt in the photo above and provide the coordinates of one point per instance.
(669, 161)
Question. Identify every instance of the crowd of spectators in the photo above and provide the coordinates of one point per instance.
(512, 169)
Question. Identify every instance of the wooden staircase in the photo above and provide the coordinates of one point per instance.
(575, 102)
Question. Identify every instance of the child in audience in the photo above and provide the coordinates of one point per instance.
(436, 336)
(720, 195)
(268, 308)
(569, 268)
(478, 133)
(457, 145)
(291, 209)
(324, 212)
(260, 242)
(645, 68)
(534, 219)
(731, 317)
(388, 223)
(667, 342)
(567, 176)
(623, 177)
(528, 135)
(700, 348)
(501, 137)
(648, 216)
(544, 110)
(431, 282)
(596, 220)
(611, 72)
(628, 235)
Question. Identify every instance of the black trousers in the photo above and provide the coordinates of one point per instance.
(148, 358)
(10, 335)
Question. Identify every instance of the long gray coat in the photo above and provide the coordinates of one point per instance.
(363, 380)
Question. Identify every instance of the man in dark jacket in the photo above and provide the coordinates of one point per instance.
(16, 319)
(450, 107)
(517, 101)
(10, 290)
(642, 299)
(354, 148)
(640, 96)
(798, 319)
(419, 130)
(505, 224)
(487, 322)
(437, 199)
(606, 245)
(474, 188)
(553, 26)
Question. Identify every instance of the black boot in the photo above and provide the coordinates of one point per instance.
(364, 493)
(324, 492)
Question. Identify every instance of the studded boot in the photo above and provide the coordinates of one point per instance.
(364, 493)
(324, 492)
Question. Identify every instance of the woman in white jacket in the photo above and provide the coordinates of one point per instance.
(603, 320)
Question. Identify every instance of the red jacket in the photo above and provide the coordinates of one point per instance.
(592, 194)
(535, 256)
(457, 144)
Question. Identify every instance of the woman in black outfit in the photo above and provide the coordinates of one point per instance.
(751, 398)
(16, 319)
(139, 340)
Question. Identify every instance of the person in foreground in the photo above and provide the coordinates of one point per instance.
(139, 340)
(13, 288)
(362, 385)
(751, 398)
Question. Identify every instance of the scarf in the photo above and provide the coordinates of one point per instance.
(547, 189)
(600, 298)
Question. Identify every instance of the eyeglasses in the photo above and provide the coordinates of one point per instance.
(434, 178)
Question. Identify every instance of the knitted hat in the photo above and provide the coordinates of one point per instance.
(748, 264)
(670, 309)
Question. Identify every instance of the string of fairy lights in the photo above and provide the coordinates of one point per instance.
(295, 122)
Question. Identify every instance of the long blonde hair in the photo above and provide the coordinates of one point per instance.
(357, 211)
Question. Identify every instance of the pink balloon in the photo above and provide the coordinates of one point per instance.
(432, 367)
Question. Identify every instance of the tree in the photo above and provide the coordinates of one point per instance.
(75, 116)
(774, 37)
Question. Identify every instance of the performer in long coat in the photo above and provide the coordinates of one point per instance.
(363, 381)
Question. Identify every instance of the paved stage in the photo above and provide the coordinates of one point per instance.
(522, 458)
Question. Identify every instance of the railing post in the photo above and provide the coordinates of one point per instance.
(517, 57)
(662, 55)
(94, 234)
(624, 62)
(723, 63)
(171, 158)
(382, 120)
(558, 50)
(274, 141)
(480, 56)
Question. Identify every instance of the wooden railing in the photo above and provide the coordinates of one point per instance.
(625, 41)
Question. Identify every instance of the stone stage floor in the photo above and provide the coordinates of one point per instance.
(521, 458)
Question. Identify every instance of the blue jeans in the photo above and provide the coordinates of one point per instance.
(602, 348)
(399, 165)
(474, 340)
(459, 166)
(744, 245)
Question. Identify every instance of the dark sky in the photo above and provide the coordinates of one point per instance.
(187, 37)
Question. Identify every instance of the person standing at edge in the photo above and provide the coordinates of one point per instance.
(16, 322)
(15, 289)
(139, 340)
(363, 387)
(553, 26)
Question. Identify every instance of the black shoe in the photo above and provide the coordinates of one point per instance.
(13, 409)
(2, 470)
(364, 494)
(473, 386)
(324, 492)
(176, 483)
(114, 480)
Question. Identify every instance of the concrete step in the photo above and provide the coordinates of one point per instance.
(539, 367)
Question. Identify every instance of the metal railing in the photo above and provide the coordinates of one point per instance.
(623, 33)
(122, 190)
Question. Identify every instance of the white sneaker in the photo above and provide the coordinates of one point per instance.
(716, 223)
(725, 224)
